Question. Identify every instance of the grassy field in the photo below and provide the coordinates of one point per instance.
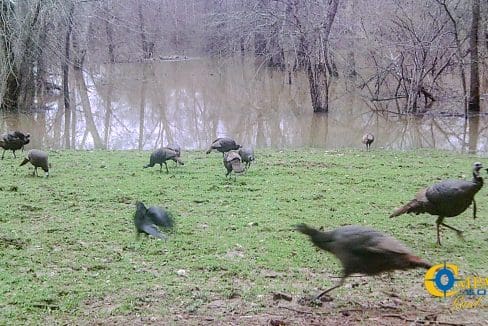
(68, 252)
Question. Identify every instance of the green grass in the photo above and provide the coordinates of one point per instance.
(68, 249)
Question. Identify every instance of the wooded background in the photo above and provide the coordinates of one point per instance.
(410, 53)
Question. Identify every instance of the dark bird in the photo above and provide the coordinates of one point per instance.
(223, 145)
(14, 141)
(367, 140)
(247, 155)
(363, 250)
(38, 159)
(232, 162)
(160, 156)
(146, 220)
(19, 134)
(448, 198)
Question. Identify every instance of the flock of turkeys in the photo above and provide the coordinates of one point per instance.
(359, 249)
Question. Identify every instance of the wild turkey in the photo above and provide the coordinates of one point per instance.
(232, 162)
(223, 145)
(22, 136)
(445, 199)
(14, 141)
(247, 155)
(38, 159)
(367, 140)
(363, 250)
(146, 220)
(160, 156)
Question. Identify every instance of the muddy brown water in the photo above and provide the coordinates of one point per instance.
(191, 102)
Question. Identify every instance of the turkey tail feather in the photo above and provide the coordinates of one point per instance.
(305, 229)
(412, 207)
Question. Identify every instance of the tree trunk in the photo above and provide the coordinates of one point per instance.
(316, 75)
(147, 47)
(74, 118)
(318, 102)
(110, 33)
(65, 68)
(474, 87)
(331, 13)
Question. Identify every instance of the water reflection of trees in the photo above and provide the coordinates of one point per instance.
(130, 106)
(86, 107)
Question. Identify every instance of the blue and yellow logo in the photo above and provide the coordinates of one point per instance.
(440, 280)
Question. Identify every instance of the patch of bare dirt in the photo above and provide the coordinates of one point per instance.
(236, 312)
(391, 310)
(362, 301)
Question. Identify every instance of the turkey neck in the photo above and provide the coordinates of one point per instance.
(324, 240)
(477, 179)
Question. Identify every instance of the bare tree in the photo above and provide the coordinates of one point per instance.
(417, 59)
(65, 68)
(313, 49)
(19, 24)
(474, 85)
(10, 91)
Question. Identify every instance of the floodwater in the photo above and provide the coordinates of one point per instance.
(191, 102)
